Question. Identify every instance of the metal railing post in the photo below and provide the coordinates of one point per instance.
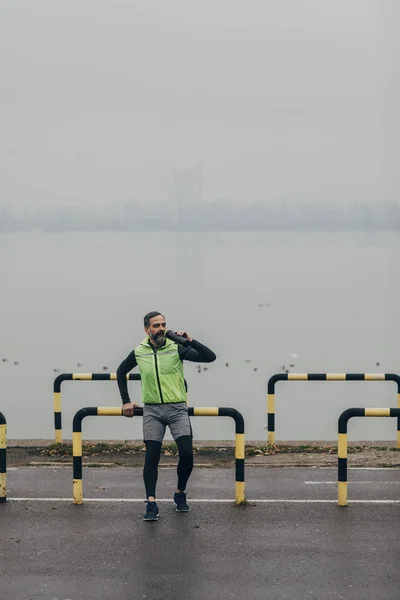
(192, 411)
(239, 442)
(3, 459)
(342, 442)
(322, 377)
(58, 437)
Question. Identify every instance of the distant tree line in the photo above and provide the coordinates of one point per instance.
(204, 216)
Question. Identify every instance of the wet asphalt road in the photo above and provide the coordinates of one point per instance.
(278, 550)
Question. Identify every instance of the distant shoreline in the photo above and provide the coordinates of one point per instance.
(394, 229)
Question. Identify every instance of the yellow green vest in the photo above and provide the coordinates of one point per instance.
(161, 373)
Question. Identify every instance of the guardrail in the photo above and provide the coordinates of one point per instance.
(138, 412)
(323, 377)
(80, 377)
(342, 442)
(3, 459)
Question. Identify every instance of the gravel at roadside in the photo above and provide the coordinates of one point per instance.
(207, 453)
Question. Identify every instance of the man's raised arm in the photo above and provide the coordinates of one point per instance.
(197, 352)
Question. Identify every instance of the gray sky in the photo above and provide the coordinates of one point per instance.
(101, 100)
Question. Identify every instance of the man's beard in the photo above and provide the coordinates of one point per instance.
(158, 339)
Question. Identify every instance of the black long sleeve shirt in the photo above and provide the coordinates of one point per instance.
(196, 352)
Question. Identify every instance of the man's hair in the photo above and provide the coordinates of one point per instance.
(150, 315)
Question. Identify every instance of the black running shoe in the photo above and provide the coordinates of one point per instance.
(180, 501)
(151, 512)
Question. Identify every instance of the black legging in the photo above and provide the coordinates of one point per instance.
(185, 464)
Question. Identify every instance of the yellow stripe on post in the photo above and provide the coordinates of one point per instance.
(239, 447)
(240, 498)
(77, 491)
(57, 402)
(77, 443)
(271, 403)
(82, 376)
(342, 445)
(297, 376)
(3, 436)
(205, 412)
(3, 485)
(374, 376)
(336, 376)
(58, 436)
(111, 411)
(342, 493)
(377, 412)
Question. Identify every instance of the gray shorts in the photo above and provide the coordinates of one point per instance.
(157, 416)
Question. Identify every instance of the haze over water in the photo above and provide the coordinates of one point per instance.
(320, 302)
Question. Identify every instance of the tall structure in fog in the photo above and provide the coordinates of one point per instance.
(188, 189)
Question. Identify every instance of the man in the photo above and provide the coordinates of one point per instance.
(164, 397)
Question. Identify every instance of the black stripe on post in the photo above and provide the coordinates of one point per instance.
(134, 376)
(57, 420)
(393, 377)
(316, 377)
(239, 469)
(58, 381)
(271, 421)
(3, 469)
(80, 415)
(355, 376)
(342, 469)
(235, 414)
(274, 379)
(346, 415)
(107, 377)
(396, 378)
(3, 460)
(77, 468)
(395, 412)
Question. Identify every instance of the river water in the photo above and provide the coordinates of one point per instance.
(323, 302)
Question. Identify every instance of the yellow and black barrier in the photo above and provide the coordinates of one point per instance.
(323, 377)
(3, 458)
(80, 377)
(138, 412)
(342, 442)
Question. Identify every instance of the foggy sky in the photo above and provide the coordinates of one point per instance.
(100, 101)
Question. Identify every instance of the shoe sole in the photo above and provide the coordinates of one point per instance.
(151, 519)
(181, 509)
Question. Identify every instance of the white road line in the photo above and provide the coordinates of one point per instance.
(335, 468)
(272, 468)
(351, 482)
(211, 500)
